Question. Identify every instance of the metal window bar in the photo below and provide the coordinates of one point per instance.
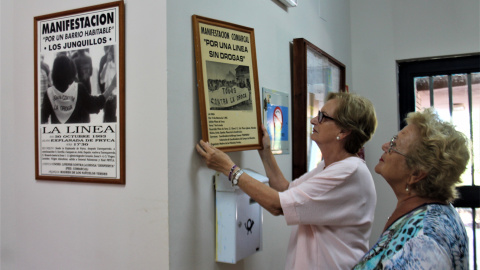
(470, 109)
(474, 236)
(474, 188)
(450, 97)
(430, 79)
(470, 112)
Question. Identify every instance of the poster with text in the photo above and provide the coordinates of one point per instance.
(79, 95)
(227, 84)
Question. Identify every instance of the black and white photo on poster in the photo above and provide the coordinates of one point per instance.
(229, 86)
(79, 131)
(78, 86)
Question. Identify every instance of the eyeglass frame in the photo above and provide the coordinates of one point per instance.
(393, 144)
(322, 115)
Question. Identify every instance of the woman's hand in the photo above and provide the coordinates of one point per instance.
(214, 158)
(265, 141)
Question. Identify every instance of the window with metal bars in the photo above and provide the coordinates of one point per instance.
(452, 86)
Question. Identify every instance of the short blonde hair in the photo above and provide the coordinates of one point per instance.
(440, 151)
(356, 114)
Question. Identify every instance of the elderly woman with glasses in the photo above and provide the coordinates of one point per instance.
(329, 208)
(422, 164)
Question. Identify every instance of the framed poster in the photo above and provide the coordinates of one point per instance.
(227, 83)
(79, 95)
(315, 74)
(275, 119)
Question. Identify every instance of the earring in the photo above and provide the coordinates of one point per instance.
(338, 138)
(406, 189)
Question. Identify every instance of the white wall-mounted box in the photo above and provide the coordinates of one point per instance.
(238, 220)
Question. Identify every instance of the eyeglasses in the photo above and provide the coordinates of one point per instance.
(322, 115)
(394, 144)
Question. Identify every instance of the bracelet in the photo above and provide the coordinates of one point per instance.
(231, 171)
(236, 176)
(235, 173)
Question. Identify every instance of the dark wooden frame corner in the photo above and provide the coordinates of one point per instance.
(299, 101)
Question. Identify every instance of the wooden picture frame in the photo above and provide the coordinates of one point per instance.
(227, 81)
(315, 74)
(79, 99)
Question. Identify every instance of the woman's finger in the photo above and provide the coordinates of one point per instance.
(264, 130)
(200, 150)
(207, 146)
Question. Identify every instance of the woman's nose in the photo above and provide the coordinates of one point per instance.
(385, 146)
(314, 121)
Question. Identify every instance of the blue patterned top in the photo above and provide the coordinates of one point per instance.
(431, 236)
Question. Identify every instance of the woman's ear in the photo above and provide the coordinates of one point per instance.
(417, 176)
(344, 133)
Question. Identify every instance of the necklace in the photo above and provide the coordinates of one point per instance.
(407, 205)
(402, 208)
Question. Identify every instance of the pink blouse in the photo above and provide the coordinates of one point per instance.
(331, 212)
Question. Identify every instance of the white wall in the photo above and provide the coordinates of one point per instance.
(191, 193)
(386, 31)
(61, 225)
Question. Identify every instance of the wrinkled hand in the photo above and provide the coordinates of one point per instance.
(214, 159)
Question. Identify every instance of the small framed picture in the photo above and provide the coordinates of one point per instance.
(275, 119)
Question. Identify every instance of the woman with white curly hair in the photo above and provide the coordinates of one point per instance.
(422, 164)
